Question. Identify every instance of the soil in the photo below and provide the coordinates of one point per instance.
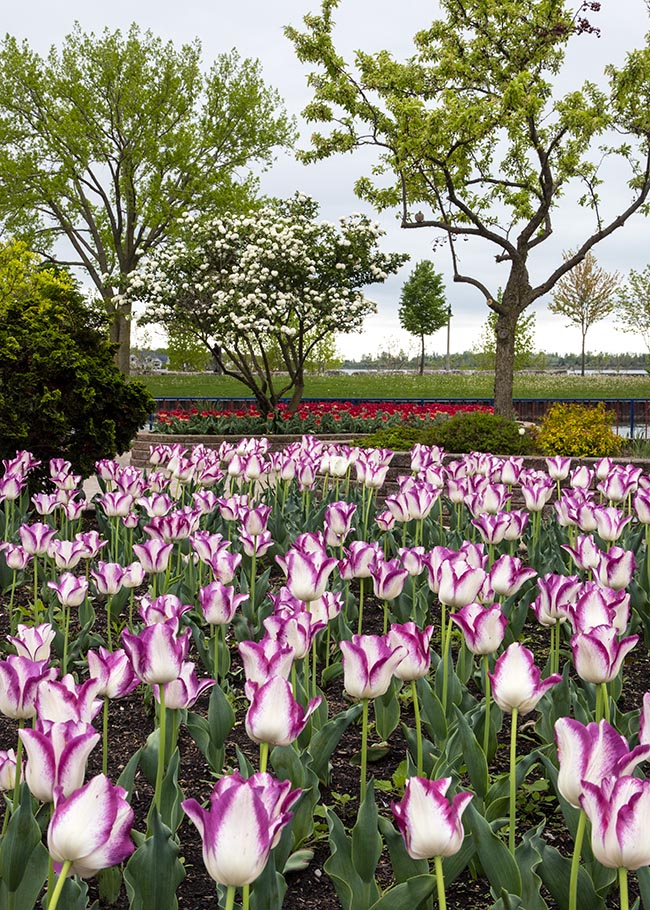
(131, 722)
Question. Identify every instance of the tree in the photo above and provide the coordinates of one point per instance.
(585, 295)
(472, 130)
(633, 304)
(525, 353)
(422, 309)
(104, 142)
(61, 394)
(271, 279)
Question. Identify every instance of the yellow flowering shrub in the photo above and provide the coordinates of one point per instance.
(578, 430)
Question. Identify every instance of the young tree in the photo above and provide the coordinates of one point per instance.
(633, 305)
(61, 394)
(422, 309)
(525, 354)
(272, 279)
(106, 141)
(473, 131)
(585, 295)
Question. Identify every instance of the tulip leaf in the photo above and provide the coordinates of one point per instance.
(74, 895)
(31, 884)
(245, 768)
(500, 788)
(19, 842)
(366, 840)
(407, 895)
(149, 756)
(643, 878)
(211, 733)
(327, 739)
(288, 766)
(404, 867)
(154, 871)
(171, 796)
(387, 711)
(473, 756)
(498, 864)
(127, 777)
(352, 891)
(269, 889)
(428, 751)
(298, 861)
(555, 872)
(509, 902)
(433, 716)
(528, 859)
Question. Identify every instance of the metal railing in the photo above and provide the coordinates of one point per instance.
(630, 416)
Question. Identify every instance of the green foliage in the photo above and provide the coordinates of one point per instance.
(422, 309)
(185, 352)
(474, 140)
(578, 430)
(106, 140)
(475, 431)
(633, 305)
(61, 393)
(525, 355)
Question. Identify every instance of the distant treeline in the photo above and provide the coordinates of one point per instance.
(472, 360)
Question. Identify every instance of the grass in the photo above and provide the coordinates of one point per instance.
(435, 386)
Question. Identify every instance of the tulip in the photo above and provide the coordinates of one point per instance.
(57, 754)
(414, 665)
(616, 568)
(598, 656)
(552, 607)
(369, 662)
(517, 688)
(153, 555)
(585, 553)
(167, 608)
(597, 606)
(242, 825)
(113, 671)
(338, 522)
(33, 642)
(157, 653)
(589, 753)
(90, 830)
(307, 572)
(58, 701)
(8, 769)
(184, 691)
(265, 658)
(66, 553)
(558, 467)
(492, 527)
(610, 522)
(430, 825)
(581, 477)
(36, 538)
(388, 579)
(274, 717)
(20, 679)
(618, 810)
(508, 575)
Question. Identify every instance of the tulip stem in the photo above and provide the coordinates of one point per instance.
(251, 587)
(245, 897)
(19, 759)
(215, 651)
(418, 727)
(162, 737)
(230, 897)
(440, 883)
(513, 781)
(488, 700)
(364, 747)
(605, 700)
(60, 882)
(314, 659)
(360, 622)
(622, 887)
(445, 664)
(575, 861)
(105, 737)
(109, 631)
(264, 757)
(66, 635)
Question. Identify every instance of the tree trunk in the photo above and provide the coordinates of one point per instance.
(505, 363)
(582, 362)
(422, 355)
(298, 391)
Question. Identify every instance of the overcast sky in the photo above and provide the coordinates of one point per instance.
(255, 28)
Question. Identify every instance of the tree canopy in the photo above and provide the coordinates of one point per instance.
(422, 310)
(61, 394)
(585, 295)
(633, 304)
(270, 280)
(475, 141)
(108, 139)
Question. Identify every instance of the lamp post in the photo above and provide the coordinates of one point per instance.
(448, 365)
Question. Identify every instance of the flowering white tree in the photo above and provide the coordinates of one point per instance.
(273, 277)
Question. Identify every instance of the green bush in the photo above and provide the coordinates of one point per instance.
(475, 431)
(578, 430)
(61, 394)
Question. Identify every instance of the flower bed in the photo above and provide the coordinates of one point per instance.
(311, 417)
(327, 676)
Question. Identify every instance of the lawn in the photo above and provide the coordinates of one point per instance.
(435, 386)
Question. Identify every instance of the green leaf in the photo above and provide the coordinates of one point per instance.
(433, 716)
(555, 872)
(407, 895)
(366, 841)
(352, 891)
(404, 867)
(387, 711)
(327, 739)
(498, 864)
(31, 885)
(154, 871)
(20, 840)
(473, 757)
(127, 777)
